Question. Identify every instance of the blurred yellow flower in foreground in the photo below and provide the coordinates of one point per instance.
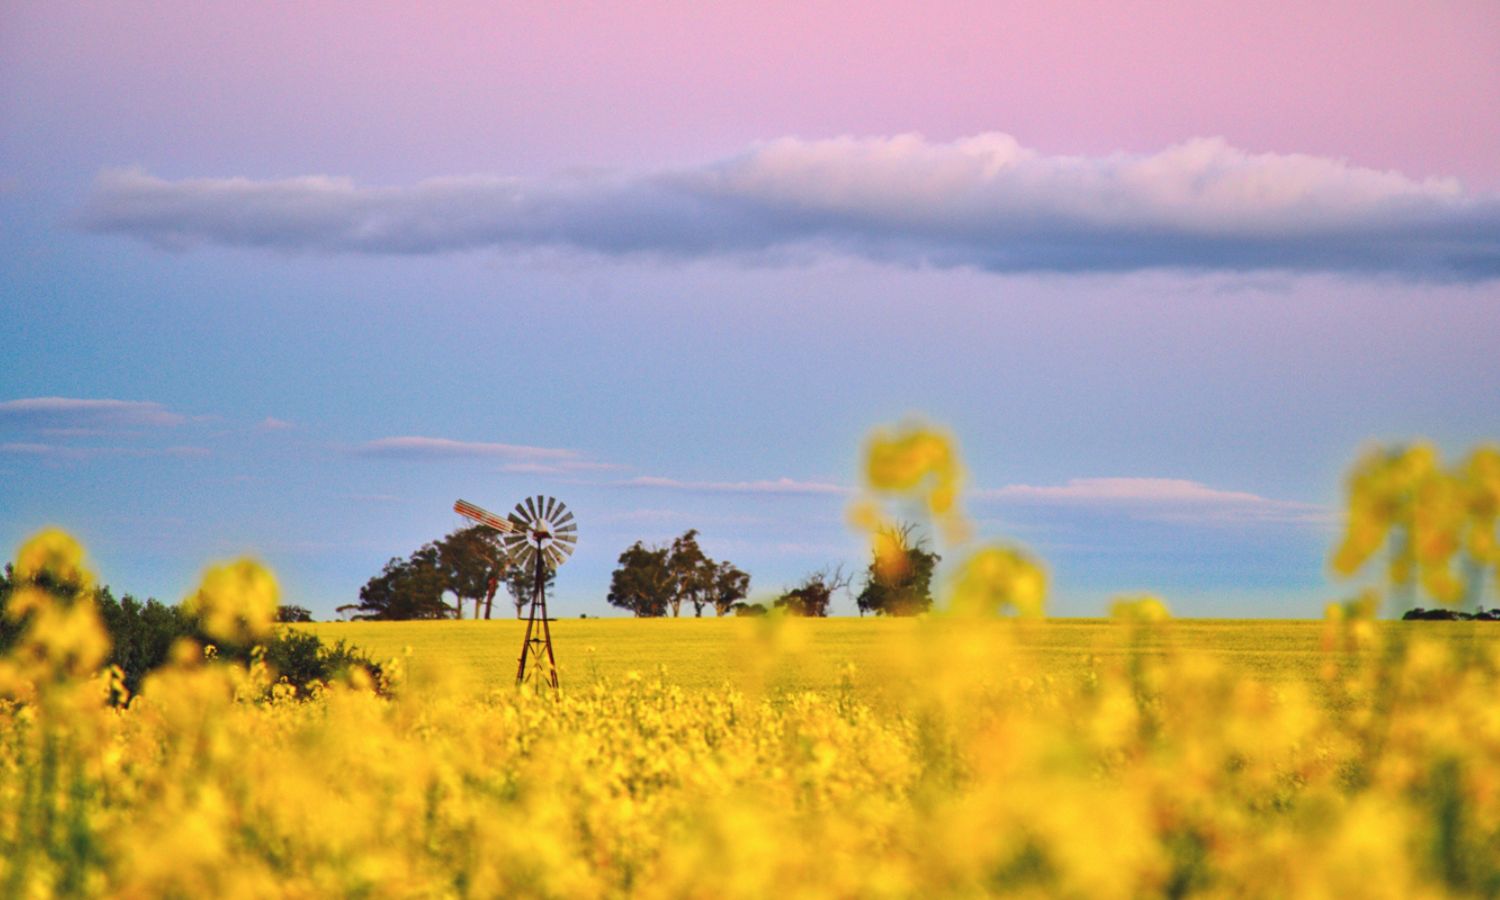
(997, 579)
(921, 462)
(236, 602)
(1427, 516)
(1145, 608)
(55, 554)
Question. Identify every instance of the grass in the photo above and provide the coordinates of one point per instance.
(705, 653)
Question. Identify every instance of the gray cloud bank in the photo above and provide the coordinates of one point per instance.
(985, 202)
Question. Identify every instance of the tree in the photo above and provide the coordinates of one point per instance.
(643, 582)
(521, 585)
(650, 581)
(813, 596)
(693, 572)
(901, 583)
(410, 588)
(474, 564)
(730, 587)
(286, 613)
(468, 563)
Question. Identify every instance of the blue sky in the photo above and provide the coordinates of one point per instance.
(248, 316)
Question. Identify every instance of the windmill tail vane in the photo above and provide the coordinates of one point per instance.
(482, 516)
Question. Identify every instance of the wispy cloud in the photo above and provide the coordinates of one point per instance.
(271, 423)
(434, 448)
(776, 486)
(651, 515)
(75, 416)
(60, 452)
(1164, 499)
(560, 467)
(985, 202)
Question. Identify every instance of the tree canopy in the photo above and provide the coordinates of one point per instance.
(468, 563)
(901, 586)
(652, 581)
(814, 595)
(643, 581)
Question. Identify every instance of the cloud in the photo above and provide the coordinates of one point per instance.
(73, 416)
(561, 467)
(1164, 499)
(654, 514)
(777, 486)
(984, 202)
(431, 448)
(60, 452)
(271, 423)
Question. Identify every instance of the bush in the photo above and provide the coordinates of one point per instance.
(142, 633)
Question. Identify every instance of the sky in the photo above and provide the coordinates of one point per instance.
(286, 280)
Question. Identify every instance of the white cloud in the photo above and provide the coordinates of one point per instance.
(72, 415)
(416, 447)
(984, 201)
(776, 486)
(1167, 499)
(271, 423)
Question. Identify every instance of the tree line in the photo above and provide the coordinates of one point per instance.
(652, 581)
(465, 570)
(466, 567)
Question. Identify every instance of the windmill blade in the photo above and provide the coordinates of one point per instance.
(551, 504)
(539, 499)
(565, 518)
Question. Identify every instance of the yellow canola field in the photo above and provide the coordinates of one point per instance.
(1137, 766)
(704, 654)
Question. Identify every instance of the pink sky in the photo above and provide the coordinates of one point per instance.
(407, 91)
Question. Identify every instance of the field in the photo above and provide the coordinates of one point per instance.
(964, 753)
(707, 654)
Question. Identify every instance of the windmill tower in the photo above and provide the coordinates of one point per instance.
(538, 537)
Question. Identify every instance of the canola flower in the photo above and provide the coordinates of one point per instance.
(1159, 773)
(1428, 517)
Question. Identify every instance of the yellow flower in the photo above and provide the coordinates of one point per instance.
(236, 602)
(1144, 608)
(920, 461)
(56, 554)
(998, 578)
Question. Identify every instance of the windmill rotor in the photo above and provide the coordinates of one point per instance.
(542, 529)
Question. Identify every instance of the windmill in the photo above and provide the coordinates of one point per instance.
(538, 536)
